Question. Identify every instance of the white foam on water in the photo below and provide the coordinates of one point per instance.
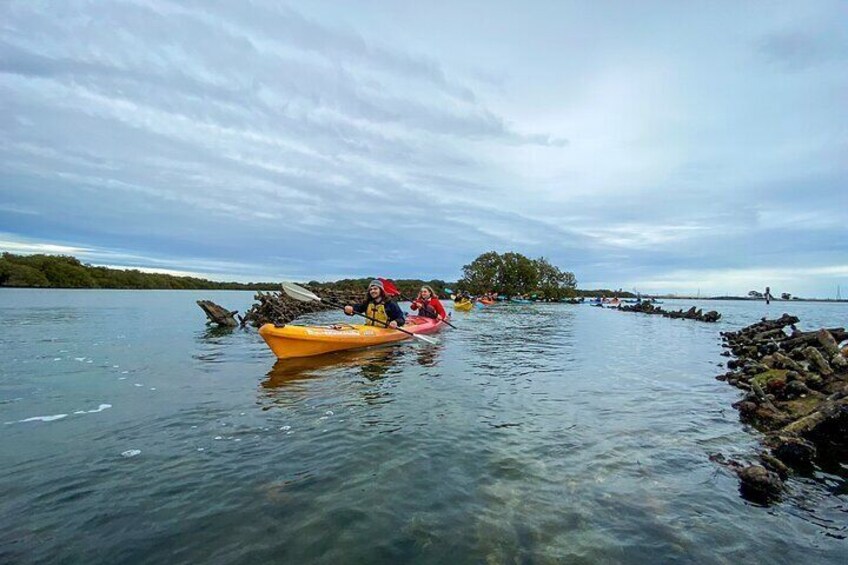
(201, 449)
(289, 433)
(57, 358)
(90, 361)
(122, 378)
(131, 453)
(138, 384)
(218, 437)
(285, 428)
(238, 439)
(153, 388)
(100, 408)
(41, 419)
(115, 366)
(323, 417)
(329, 413)
(80, 359)
(194, 427)
(125, 372)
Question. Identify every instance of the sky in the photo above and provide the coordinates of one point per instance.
(673, 147)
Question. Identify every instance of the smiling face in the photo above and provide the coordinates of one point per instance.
(375, 291)
(425, 294)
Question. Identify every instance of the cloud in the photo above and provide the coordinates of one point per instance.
(724, 281)
(262, 140)
(795, 50)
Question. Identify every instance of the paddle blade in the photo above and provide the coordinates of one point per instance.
(300, 293)
(389, 287)
(425, 339)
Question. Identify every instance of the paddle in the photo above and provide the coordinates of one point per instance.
(391, 290)
(300, 293)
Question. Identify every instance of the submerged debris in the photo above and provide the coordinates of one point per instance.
(691, 314)
(218, 314)
(277, 307)
(796, 393)
(280, 309)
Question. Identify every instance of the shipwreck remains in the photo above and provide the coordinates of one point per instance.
(691, 314)
(277, 307)
(796, 392)
(218, 314)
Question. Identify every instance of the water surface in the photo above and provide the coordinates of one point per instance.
(537, 433)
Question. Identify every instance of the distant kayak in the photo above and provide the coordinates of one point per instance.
(463, 306)
(305, 341)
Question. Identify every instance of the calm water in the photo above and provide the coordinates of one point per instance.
(532, 434)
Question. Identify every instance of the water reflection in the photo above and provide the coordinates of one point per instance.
(212, 333)
(374, 363)
(213, 341)
(429, 356)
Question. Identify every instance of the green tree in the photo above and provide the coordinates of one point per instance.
(518, 274)
(554, 284)
(483, 274)
(13, 274)
(513, 273)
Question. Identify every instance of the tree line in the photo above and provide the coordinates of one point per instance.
(509, 274)
(63, 271)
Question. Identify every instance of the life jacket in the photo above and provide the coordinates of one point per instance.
(426, 309)
(378, 313)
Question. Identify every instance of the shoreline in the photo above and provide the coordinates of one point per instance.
(277, 287)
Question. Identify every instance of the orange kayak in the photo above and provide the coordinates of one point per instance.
(304, 341)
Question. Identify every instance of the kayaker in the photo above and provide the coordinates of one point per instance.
(378, 306)
(428, 304)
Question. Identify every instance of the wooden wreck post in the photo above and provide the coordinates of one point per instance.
(218, 314)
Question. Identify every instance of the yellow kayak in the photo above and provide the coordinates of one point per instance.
(463, 306)
(304, 341)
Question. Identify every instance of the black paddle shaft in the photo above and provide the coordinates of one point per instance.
(445, 320)
(384, 324)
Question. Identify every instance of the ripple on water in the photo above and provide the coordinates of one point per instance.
(543, 433)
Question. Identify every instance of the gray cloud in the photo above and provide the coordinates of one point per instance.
(206, 134)
(798, 50)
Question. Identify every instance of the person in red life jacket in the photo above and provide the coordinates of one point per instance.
(383, 311)
(428, 305)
